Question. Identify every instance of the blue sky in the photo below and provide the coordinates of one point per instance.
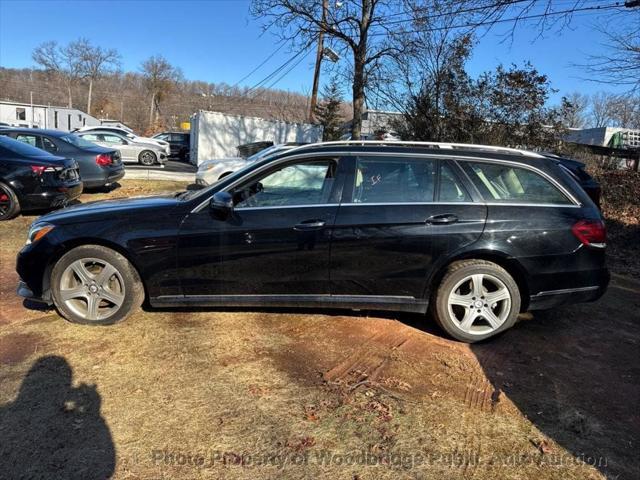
(218, 41)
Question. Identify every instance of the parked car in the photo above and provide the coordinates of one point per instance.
(129, 135)
(130, 150)
(99, 166)
(32, 179)
(210, 171)
(474, 234)
(179, 144)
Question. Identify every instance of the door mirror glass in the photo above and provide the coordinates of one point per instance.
(221, 205)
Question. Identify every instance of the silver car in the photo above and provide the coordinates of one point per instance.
(131, 151)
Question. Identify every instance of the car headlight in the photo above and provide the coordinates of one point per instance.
(36, 232)
(207, 167)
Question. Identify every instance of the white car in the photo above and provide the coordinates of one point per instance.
(130, 135)
(210, 171)
(145, 154)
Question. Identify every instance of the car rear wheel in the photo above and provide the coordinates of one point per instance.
(95, 285)
(147, 158)
(9, 204)
(476, 300)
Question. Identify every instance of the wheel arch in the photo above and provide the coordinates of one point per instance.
(79, 242)
(510, 264)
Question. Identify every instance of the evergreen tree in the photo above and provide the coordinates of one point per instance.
(328, 111)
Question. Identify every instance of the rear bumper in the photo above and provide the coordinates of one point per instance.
(554, 298)
(51, 197)
(109, 176)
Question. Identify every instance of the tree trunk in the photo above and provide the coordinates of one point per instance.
(358, 93)
(89, 97)
(153, 104)
(70, 101)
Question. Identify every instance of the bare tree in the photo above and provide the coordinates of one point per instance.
(95, 61)
(347, 24)
(620, 65)
(574, 115)
(601, 109)
(160, 78)
(65, 62)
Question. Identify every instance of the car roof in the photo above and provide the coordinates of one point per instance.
(428, 148)
(40, 131)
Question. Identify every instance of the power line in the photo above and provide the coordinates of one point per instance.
(289, 70)
(504, 20)
(279, 69)
(258, 67)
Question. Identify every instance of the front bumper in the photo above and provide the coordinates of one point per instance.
(25, 292)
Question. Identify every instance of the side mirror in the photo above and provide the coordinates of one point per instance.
(221, 205)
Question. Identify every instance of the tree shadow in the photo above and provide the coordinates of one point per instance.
(574, 373)
(55, 430)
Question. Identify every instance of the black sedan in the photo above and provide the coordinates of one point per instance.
(99, 166)
(32, 179)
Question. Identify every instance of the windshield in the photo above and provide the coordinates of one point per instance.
(77, 141)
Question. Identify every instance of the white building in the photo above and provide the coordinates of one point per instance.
(218, 135)
(376, 125)
(44, 116)
(605, 137)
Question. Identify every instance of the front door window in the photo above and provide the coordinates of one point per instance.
(308, 183)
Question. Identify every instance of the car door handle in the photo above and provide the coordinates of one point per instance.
(444, 219)
(309, 225)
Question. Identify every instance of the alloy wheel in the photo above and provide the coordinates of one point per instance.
(479, 304)
(92, 288)
(147, 158)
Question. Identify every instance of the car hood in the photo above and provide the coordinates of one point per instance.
(221, 161)
(93, 211)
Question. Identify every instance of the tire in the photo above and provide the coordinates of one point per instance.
(113, 297)
(9, 203)
(224, 175)
(147, 158)
(464, 305)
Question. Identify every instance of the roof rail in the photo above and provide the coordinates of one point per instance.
(442, 145)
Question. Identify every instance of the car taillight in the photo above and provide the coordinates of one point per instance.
(103, 159)
(39, 169)
(591, 233)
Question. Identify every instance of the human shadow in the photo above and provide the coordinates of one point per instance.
(574, 372)
(55, 430)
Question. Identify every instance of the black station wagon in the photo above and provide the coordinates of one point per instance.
(473, 234)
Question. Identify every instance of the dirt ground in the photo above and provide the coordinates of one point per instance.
(280, 393)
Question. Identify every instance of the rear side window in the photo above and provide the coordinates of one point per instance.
(451, 189)
(504, 183)
(394, 180)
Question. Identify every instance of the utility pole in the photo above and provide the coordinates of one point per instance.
(316, 73)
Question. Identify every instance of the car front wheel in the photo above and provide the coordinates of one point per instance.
(147, 158)
(95, 285)
(476, 300)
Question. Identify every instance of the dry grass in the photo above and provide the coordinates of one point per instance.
(291, 389)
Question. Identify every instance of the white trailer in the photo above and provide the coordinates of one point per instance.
(218, 135)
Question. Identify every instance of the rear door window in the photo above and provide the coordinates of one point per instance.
(394, 180)
(452, 189)
(48, 145)
(509, 184)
